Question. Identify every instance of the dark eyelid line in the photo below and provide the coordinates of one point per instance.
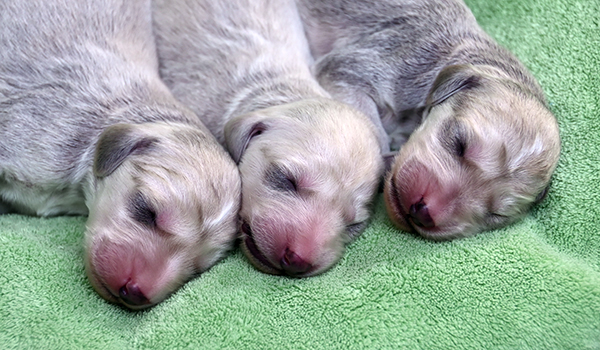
(280, 179)
(356, 228)
(460, 139)
(494, 219)
(454, 138)
(141, 211)
(459, 145)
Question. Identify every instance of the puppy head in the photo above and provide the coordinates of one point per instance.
(309, 171)
(483, 155)
(164, 208)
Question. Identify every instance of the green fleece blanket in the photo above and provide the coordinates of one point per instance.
(533, 285)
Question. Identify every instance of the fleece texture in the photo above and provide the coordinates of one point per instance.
(532, 285)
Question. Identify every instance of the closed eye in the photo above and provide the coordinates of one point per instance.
(142, 211)
(459, 146)
(356, 228)
(454, 137)
(494, 219)
(280, 180)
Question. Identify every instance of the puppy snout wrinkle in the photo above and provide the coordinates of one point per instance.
(292, 264)
(419, 214)
(131, 294)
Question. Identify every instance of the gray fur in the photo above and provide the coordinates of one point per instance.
(86, 124)
(387, 54)
(62, 82)
(244, 67)
(219, 58)
(479, 143)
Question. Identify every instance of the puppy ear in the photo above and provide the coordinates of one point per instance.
(240, 130)
(451, 80)
(115, 144)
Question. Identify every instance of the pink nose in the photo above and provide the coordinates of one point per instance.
(292, 264)
(419, 214)
(131, 294)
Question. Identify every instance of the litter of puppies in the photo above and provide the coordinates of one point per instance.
(180, 126)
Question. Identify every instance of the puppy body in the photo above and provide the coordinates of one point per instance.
(88, 128)
(309, 165)
(488, 144)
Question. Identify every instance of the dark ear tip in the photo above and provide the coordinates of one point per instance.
(115, 144)
(239, 134)
(450, 80)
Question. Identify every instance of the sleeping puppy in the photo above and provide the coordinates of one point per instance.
(309, 165)
(87, 127)
(487, 143)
